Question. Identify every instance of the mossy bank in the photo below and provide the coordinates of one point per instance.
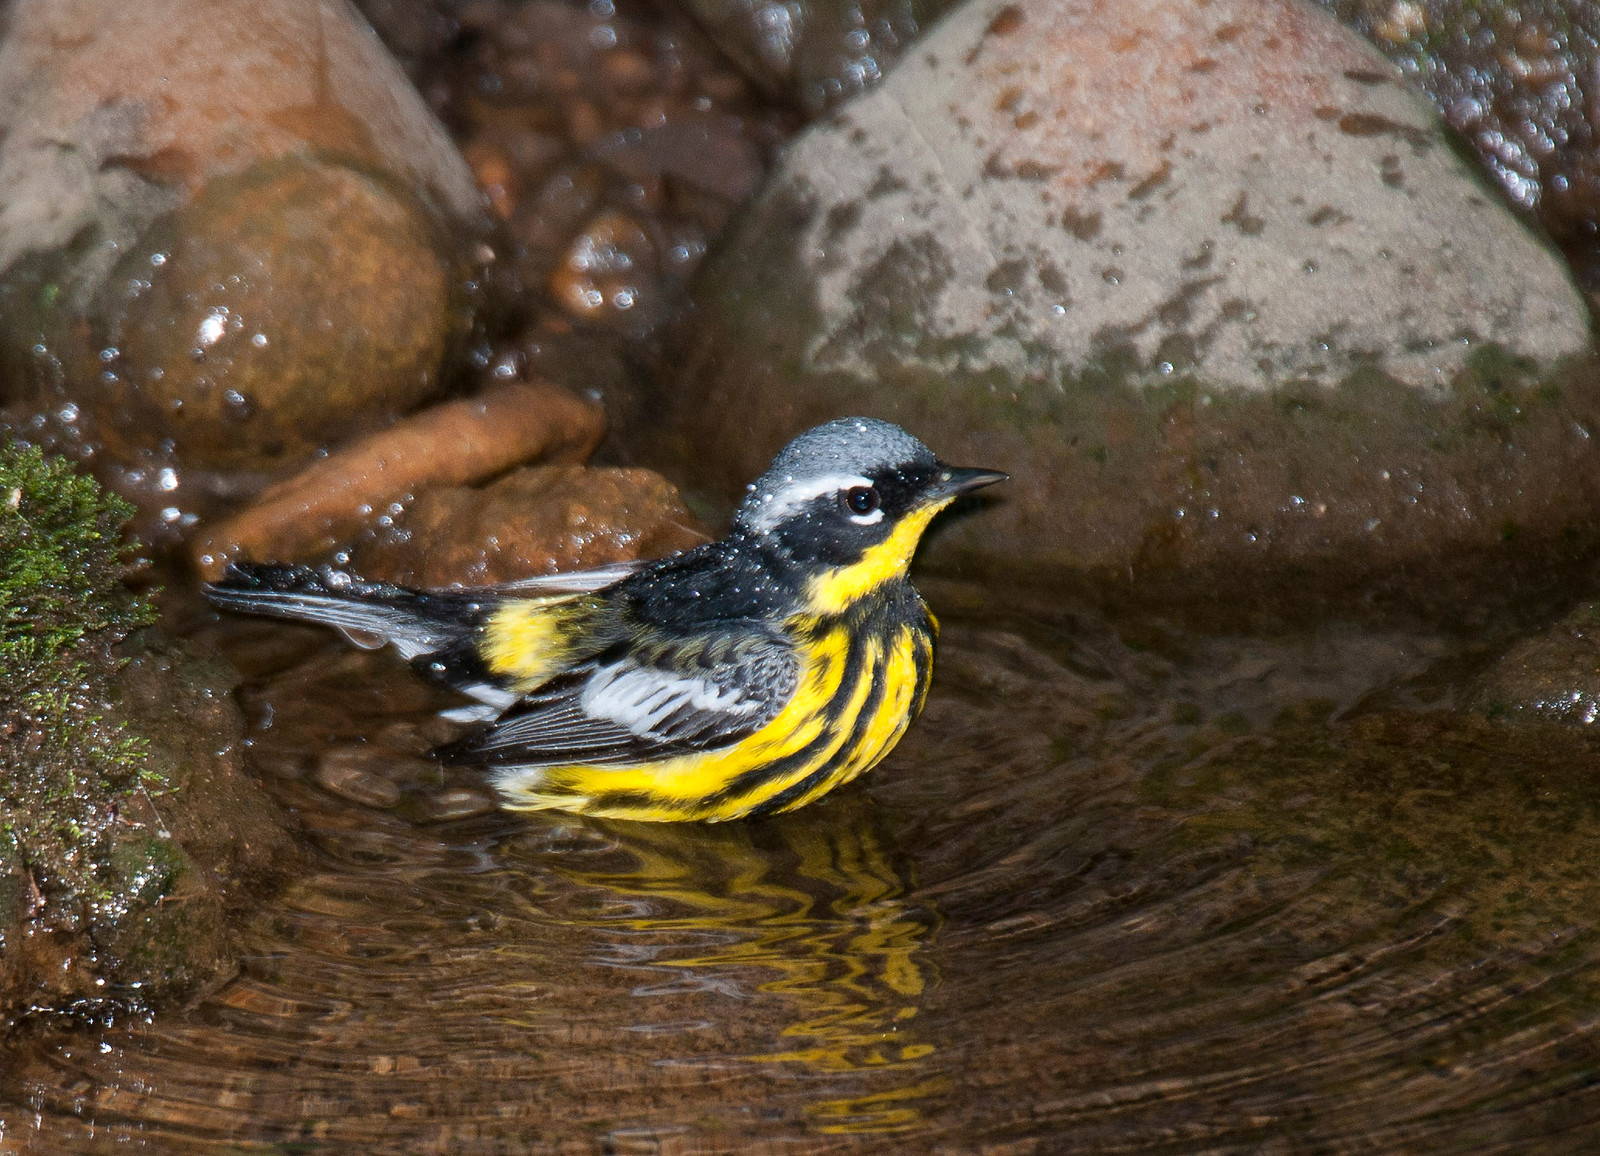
(126, 823)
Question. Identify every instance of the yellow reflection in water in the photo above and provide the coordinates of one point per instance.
(817, 900)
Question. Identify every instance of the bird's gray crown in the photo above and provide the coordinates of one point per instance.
(836, 455)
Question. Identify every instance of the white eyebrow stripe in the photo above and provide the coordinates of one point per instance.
(775, 507)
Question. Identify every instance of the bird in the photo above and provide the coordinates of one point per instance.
(744, 677)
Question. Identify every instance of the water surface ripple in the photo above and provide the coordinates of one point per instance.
(1121, 890)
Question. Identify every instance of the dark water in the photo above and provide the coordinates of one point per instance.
(1120, 890)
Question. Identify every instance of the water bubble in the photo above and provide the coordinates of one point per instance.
(211, 330)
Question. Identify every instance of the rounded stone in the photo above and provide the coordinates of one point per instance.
(1208, 279)
(1552, 676)
(270, 311)
(536, 520)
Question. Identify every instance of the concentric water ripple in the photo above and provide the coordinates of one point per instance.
(1163, 896)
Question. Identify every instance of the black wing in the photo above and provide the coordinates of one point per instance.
(643, 702)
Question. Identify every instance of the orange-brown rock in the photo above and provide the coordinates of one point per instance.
(329, 503)
(540, 520)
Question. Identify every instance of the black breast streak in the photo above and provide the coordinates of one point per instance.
(922, 658)
(879, 618)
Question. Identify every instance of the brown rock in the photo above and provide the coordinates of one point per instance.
(1554, 676)
(248, 343)
(609, 273)
(225, 232)
(328, 503)
(541, 520)
(453, 803)
(154, 99)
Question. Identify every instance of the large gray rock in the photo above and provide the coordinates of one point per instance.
(1210, 279)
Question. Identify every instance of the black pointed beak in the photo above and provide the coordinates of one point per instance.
(953, 480)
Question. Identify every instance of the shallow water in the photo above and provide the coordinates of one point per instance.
(1123, 888)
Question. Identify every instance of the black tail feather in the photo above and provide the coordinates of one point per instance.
(418, 624)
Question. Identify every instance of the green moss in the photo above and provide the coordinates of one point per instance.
(61, 566)
(67, 757)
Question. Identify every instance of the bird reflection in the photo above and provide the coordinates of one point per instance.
(811, 907)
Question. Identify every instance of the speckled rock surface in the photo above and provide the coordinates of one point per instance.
(1208, 280)
(180, 857)
(1552, 676)
(1520, 81)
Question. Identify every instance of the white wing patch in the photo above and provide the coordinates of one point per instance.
(640, 699)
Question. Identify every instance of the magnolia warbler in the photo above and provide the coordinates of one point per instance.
(744, 677)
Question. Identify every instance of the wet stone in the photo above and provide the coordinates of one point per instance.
(1554, 676)
(225, 236)
(247, 344)
(817, 53)
(367, 482)
(279, 764)
(1208, 280)
(354, 776)
(601, 132)
(610, 274)
(454, 803)
(1520, 81)
(538, 520)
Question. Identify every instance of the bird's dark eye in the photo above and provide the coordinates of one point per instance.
(862, 499)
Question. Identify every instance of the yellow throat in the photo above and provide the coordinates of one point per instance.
(836, 589)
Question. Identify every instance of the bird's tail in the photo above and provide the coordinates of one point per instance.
(369, 614)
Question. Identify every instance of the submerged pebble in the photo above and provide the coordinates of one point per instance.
(455, 803)
(350, 774)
